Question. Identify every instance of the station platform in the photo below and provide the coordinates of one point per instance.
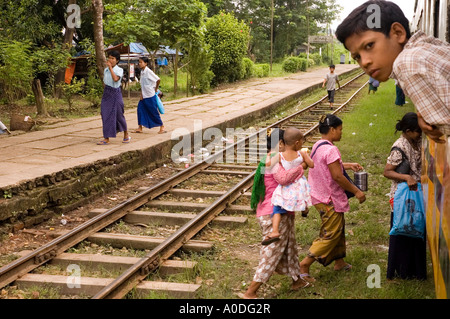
(72, 143)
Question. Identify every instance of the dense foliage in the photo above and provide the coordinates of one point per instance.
(221, 40)
(229, 39)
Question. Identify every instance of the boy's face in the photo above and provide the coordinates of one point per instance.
(331, 70)
(375, 52)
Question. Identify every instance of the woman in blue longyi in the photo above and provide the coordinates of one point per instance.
(112, 107)
(148, 114)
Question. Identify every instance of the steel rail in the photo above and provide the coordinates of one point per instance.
(25, 264)
(313, 128)
(139, 271)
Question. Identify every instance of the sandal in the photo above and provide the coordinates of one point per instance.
(162, 132)
(103, 143)
(127, 140)
(268, 240)
(305, 285)
(307, 277)
(347, 267)
(137, 131)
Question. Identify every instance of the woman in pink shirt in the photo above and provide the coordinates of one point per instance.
(328, 186)
(280, 256)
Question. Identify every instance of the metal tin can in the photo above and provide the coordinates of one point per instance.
(361, 180)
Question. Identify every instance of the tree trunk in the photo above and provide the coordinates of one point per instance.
(175, 72)
(98, 37)
(67, 45)
(39, 97)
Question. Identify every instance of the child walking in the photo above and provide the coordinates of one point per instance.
(295, 196)
(148, 114)
(331, 79)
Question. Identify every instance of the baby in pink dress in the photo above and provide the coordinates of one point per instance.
(295, 196)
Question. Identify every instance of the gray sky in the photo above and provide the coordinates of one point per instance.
(348, 5)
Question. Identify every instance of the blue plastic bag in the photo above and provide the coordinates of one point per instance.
(160, 105)
(409, 212)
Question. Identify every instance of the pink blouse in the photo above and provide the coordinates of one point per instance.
(324, 189)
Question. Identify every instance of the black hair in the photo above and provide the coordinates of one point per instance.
(277, 134)
(333, 66)
(328, 121)
(115, 54)
(408, 122)
(357, 21)
(144, 58)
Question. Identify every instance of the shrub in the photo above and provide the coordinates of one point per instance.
(290, 64)
(16, 70)
(317, 58)
(262, 70)
(294, 64)
(228, 38)
(303, 64)
(249, 68)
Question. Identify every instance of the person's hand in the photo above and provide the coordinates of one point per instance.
(304, 152)
(108, 64)
(431, 131)
(360, 196)
(355, 167)
(412, 183)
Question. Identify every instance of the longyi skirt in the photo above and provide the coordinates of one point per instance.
(112, 111)
(148, 114)
(407, 257)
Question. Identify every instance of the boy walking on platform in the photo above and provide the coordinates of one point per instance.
(377, 35)
(331, 80)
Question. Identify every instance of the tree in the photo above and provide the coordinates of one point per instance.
(229, 39)
(181, 21)
(290, 22)
(32, 22)
(132, 21)
(100, 57)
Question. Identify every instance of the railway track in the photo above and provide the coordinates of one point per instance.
(167, 195)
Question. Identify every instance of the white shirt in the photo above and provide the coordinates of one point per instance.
(148, 83)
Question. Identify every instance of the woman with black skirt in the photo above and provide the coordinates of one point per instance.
(407, 255)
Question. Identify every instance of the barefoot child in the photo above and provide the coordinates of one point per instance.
(330, 80)
(295, 196)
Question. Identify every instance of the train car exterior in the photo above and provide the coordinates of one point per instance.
(432, 17)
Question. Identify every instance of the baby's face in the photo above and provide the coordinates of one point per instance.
(375, 52)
